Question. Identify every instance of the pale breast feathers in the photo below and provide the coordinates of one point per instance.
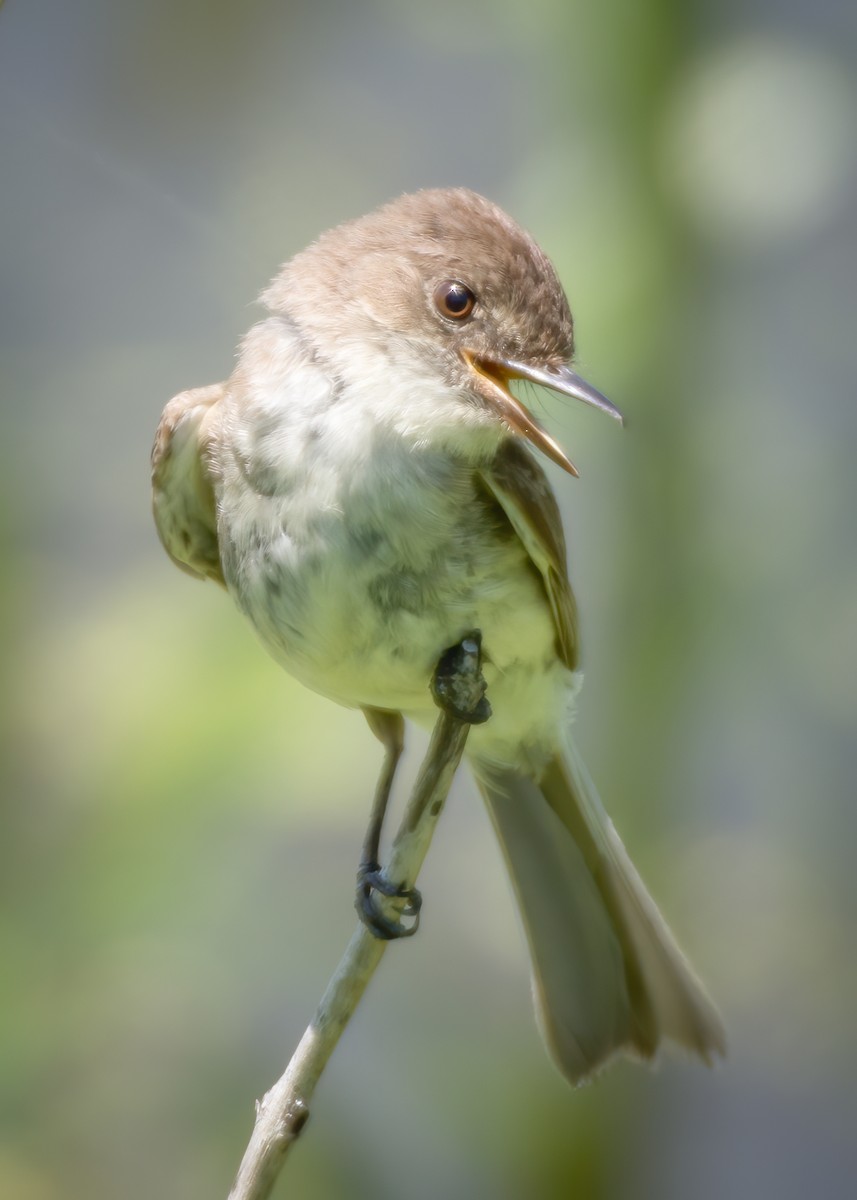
(182, 492)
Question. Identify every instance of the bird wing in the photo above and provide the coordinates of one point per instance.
(521, 488)
(182, 488)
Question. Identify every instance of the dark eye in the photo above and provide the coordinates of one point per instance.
(453, 299)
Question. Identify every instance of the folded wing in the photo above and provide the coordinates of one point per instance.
(182, 489)
(522, 490)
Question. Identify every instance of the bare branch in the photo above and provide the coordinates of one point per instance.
(284, 1110)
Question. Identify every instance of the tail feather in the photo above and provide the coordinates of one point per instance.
(608, 974)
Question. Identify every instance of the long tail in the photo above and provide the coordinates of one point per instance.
(608, 975)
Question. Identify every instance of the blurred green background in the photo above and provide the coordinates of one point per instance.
(181, 822)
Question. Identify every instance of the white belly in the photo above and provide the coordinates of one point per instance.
(358, 600)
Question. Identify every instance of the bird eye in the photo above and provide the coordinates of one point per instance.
(453, 299)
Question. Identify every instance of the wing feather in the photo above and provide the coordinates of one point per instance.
(182, 490)
(522, 490)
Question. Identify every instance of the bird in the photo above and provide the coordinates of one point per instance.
(367, 488)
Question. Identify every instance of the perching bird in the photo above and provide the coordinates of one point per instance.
(365, 486)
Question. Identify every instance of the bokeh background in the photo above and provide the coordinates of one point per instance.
(180, 821)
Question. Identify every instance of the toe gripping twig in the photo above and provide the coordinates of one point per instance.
(459, 691)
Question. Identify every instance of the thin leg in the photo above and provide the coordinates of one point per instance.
(389, 728)
(459, 689)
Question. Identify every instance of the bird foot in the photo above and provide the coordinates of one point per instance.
(457, 684)
(371, 881)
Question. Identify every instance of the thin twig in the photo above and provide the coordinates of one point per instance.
(284, 1110)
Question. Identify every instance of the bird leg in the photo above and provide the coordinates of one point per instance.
(463, 700)
(389, 728)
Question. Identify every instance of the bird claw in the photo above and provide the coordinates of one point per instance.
(371, 881)
(457, 684)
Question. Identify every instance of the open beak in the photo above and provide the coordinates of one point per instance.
(497, 373)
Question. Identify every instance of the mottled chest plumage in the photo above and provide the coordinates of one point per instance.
(350, 587)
